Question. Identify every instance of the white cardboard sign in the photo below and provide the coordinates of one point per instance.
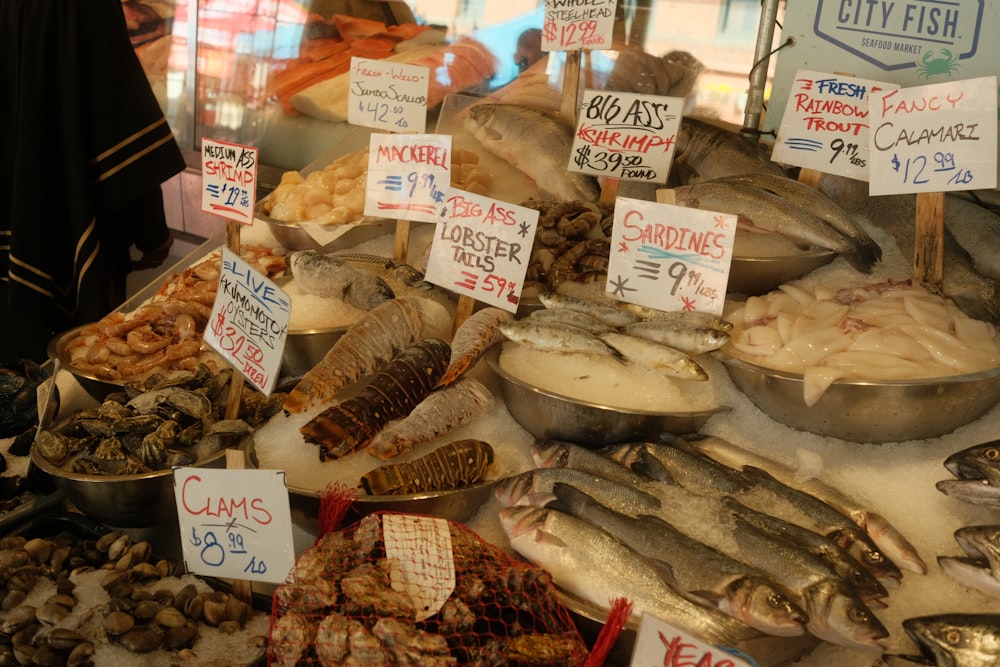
(387, 95)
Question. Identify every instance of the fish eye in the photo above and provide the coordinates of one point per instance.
(953, 637)
(991, 454)
(858, 615)
(875, 557)
(777, 600)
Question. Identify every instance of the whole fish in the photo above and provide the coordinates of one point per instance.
(761, 491)
(687, 339)
(590, 564)
(763, 210)
(685, 318)
(647, 354)
(536, 487)
(536, 143)
(955, 640)
(835, 612)
(555, 338)
(561, 454)
(976, 294)
(888, 538)
(816, 203)
(705, 151)
(334, 278)
(573, 318)
(979, 569)
(612, 313)
(699, 572)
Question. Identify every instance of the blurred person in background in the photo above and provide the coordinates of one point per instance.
(84, 149)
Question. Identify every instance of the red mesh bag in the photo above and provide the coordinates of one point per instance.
(403, 589)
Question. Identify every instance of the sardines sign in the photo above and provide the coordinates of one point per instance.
(670, 257)
(826, 124)
(249, 322)
(235, 523)
(658, 643)
(573, 25)
(626, 136)
(938, 137)
(229, 180)
(481, 249)
(387, 96)
(409, 176)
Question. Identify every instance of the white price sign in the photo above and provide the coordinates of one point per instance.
(574, 25)
(249, 321)
(659, 643)
(933, 138)
(409, 176)
(387, 95)
(229, 180)
(825, 126)
(235, 523)
(669, 257)
(481, 249)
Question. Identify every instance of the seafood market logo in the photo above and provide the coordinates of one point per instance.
(929, 36)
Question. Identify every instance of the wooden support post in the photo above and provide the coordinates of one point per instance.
(928, 251)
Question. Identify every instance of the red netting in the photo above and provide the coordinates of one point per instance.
(402, 589)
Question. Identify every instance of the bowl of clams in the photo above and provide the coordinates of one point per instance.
(114, 461)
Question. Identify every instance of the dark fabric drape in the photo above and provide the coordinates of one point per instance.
(84, 147)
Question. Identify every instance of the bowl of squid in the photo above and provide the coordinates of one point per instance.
(887, 362)
(593, 401)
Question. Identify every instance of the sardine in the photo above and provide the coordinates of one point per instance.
(613, 313)
(535, 142)
(763, 210)
(590, 564)
(333, 278)
(977, 295)
(816, 203)
(535, 487)
(955, 640)
(705, 151)
(687, 318)
(687, 339)
(700, 573)
(888, 538)
(573, 318)
(655, 356)
(555, 338)
(979, 569)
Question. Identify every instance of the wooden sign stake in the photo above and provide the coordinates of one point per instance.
(928, 251)
(242, 588)
(236, 382)
(810, 177)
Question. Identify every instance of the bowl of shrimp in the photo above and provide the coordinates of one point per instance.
(891, 362)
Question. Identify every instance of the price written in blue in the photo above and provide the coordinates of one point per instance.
(213, 552)
(940, 169)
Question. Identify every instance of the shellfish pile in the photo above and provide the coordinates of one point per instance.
(72, 600)
(342, 608)
(168, 420)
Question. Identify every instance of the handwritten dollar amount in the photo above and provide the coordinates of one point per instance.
(920, 170)
(491, 284)
(848, 151)
(606, 161)
(235, 343)
(213, 552)
(687, 280)
(383, 113)
(577, 33)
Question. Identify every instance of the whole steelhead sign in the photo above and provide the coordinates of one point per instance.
(929, 36)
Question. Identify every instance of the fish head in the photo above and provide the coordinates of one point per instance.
(550, 453)
(841, 618)
(858, 544)
(760, 605)
(521, 489)
(982, 542)
(980, 461)
(956, 640)
(520, 521)
(975, 491)
(479, 117)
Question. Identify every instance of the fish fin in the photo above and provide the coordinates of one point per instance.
(664, 569)
(544, 537)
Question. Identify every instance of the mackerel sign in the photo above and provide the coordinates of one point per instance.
(929, 36)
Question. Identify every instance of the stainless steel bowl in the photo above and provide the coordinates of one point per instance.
(292, 236)
(457, 505)
(127, 501)
(306, 348)
(869, 411)
(95, 386)
(550, 415)
(759, 275)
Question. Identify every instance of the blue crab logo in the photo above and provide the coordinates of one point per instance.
(929, 66)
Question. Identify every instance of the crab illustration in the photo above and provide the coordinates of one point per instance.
(930, 66)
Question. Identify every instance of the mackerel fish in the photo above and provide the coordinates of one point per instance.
(954, 640)
(588, 563)
(536, 143)
(764, 210)
(699, 572)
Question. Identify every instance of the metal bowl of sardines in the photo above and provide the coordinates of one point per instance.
(634, 376)
(114, 462)
(880, 363)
